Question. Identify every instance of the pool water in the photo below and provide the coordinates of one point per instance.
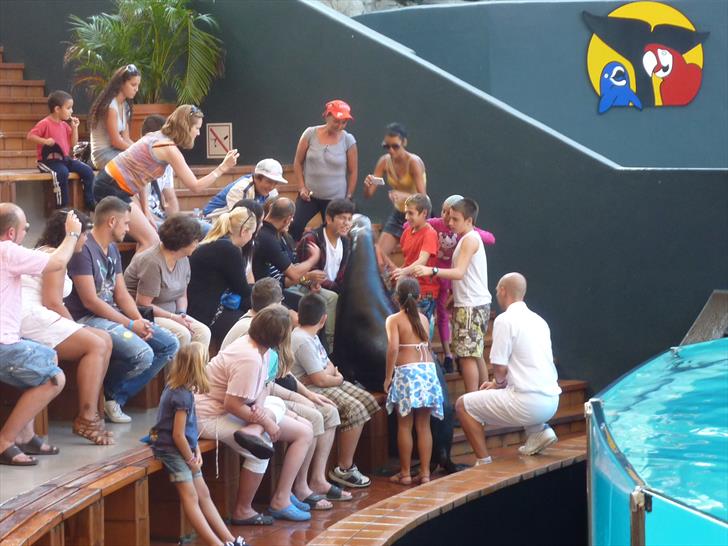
(670, 419)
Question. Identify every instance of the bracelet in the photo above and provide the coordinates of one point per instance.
(74, 234)
(131, 324)
(435, 271)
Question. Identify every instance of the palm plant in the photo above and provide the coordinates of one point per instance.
(163, 38)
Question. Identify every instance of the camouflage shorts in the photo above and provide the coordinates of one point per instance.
(469, 325)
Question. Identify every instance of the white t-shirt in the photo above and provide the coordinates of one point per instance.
(472, 289)
(100, 140)
(334, 255)
(522, 341)
(164, 181)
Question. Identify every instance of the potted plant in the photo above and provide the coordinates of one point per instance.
(165, 39)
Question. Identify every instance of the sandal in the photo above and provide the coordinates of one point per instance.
(35, 447)
(94, 431)
(7, 457)
(337, 494)
(423, 479)
(398, 478)
(257, 519)
(318, 502)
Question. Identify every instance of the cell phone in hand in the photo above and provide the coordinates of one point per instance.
(377, 181)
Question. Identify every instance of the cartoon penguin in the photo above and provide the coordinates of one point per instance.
(614, 88)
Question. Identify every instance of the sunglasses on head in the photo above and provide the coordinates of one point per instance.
(391, 146)
(194, 110)
(132, 69)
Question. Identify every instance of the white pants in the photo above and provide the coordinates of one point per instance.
(199, 332)
(506, 407)
(222, 429)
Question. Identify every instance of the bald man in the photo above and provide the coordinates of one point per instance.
(525, 390)
(26, 364)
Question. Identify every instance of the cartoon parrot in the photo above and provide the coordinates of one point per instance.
(614, 88)
(680, 80)
(631, 39)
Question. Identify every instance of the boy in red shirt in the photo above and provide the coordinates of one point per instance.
(56, 135)
(420, 244)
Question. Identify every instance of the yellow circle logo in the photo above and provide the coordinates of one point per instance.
(644, 54)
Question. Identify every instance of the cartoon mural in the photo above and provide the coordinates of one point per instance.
(644, 54)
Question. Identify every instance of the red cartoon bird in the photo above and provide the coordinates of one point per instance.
(680, 80)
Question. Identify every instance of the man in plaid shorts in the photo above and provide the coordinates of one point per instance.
(314, 369)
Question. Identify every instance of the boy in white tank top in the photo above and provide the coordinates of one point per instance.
(471, 297)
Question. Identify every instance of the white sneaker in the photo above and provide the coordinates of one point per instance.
(539, 441)
(114, 413)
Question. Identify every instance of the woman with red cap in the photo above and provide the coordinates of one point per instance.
(325, 165)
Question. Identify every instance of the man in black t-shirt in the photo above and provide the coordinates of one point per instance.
(275, 257)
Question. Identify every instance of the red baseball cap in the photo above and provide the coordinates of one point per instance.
(339, 109)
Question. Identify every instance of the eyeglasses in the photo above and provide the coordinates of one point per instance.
(132, 69)
(391, 146)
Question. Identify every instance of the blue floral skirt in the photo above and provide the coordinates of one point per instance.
(415, 386)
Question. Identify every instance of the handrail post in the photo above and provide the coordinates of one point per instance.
(588, 416)
(637, 508)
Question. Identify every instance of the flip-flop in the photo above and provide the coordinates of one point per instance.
(313, 502)
(336, 494)
(257, 519)
(35, 447)
(6, 457)
(398, 478)
(255, 444)
(300, 504)
(291, 513)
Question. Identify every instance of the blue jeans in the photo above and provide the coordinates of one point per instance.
(62, 168)
(134, 361)
(427, 306)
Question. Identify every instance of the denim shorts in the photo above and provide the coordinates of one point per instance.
(395, 224)
(26, 364)
(176, 466)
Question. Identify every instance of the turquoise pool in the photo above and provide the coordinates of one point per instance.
(669, 417)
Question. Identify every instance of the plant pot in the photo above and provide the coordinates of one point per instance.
(141, 111)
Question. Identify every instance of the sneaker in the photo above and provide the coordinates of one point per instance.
(349, 478)
(114, 413)
(539, 441)
(485, 460)
(239, 541)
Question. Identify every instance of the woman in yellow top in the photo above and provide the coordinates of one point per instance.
(406, 175)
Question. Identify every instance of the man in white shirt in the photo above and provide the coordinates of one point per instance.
(525, 391)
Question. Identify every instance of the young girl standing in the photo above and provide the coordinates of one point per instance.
(174, 442)
(411, 381)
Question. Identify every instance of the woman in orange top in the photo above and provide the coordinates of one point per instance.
(405, 173)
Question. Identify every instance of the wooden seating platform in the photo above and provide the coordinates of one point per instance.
(384, 522)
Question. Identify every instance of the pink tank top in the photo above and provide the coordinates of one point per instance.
(136, 166)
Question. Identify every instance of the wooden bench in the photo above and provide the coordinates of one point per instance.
(125, 500)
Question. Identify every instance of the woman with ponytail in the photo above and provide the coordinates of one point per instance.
(218, 268)
(411, 380)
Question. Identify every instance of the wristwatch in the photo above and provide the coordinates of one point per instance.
(435, 271)
(74, 234)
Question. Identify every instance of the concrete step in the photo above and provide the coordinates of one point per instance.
(21, 88)
(11, 71)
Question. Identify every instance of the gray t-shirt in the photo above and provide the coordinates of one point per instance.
(149, 275)
(309, 355)
(102, 267)
(324, 168)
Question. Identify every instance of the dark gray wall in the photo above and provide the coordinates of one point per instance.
(34, 32)
(532, 55)
(619, 262)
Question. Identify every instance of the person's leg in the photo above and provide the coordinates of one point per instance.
(192, 509)
(305, 210)
(86, 174)
(62, 177)
(348, 440)
(424, 441)
(163, 346)
(315, 420)
(404, 447)
(91, 349)
(200, 332)
(182, 333)
(299, 436)
(470, 372)
(323, 445)
(468, 344)
(248, 485)
(140, 228)
(386, 245)
(34, 368)
(443, 321)
(322, 204)
(331, 298)
(212, 516)
(472, 428)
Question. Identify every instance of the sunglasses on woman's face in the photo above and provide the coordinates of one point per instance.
(391, 146)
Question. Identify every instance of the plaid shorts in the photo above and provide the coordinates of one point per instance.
(356, 406)
(469, 325)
